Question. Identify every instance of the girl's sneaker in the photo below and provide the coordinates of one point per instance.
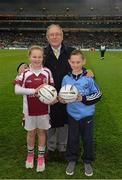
(29, 161)
(40, 164)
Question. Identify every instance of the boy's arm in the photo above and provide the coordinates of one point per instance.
(95, 95)
(92, 98)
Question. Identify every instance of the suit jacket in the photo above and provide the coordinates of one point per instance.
(59, 68)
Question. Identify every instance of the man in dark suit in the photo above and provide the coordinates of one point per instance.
(56, 59)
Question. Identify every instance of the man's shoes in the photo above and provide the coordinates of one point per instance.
(88, 169)
(52, 155)
(62, 156)
(70, 168)
(49, 155)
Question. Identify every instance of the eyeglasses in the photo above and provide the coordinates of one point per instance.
(54, 34)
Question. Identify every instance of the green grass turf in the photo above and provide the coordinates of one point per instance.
(107, 129)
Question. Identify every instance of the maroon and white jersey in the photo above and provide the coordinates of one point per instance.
(29, 81)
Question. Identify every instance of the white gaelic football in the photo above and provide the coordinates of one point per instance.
(68, 93)
(47, 94)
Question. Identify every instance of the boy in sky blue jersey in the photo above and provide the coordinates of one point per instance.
(80, 114)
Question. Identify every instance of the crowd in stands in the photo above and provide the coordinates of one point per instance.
(94, 40)
(25, 39)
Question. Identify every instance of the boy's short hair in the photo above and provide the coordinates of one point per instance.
(20, 65)
(77, 52)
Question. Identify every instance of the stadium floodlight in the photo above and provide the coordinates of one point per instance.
(91, 8)
(44, 9)
(21, 9)
(67, 9)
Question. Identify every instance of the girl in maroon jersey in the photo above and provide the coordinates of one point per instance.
(36, 113)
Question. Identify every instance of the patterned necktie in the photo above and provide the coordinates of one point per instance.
(56, 52)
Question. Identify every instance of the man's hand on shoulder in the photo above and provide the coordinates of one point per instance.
(89, 73)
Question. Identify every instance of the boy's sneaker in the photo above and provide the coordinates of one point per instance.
(70, 168)
(29, 161)
(88, 169)
(40, 164)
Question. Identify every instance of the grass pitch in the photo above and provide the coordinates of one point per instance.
(107, 127)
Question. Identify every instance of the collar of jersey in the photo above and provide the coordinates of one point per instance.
(76, 77)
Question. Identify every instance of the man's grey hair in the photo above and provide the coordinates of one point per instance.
(54, 25)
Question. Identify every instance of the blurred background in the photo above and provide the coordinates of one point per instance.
(86, 23)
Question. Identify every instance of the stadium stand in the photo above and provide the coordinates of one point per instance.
(85, 23)
(82, 39)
